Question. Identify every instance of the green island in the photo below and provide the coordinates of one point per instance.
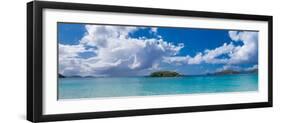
(165, 74)
(227, 72)
(61, 76)
(224, 72)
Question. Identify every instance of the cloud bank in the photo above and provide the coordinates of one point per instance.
(115, 53)
(245, 53)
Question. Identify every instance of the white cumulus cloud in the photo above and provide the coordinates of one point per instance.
(248, 52)
(116, 54)
(245, 53)
(154, 30)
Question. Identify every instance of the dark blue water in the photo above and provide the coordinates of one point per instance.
(75, 88)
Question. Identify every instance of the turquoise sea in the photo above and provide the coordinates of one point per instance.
(76, 88)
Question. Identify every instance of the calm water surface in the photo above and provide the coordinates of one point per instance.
(75, 88)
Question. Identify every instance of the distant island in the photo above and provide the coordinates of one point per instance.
(165, 74)
(227, 72)
(224, 72)
(61, 76)
(74, 76)
(253, 71)
(176, 74)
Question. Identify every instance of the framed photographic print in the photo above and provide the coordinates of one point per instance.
(95, 61)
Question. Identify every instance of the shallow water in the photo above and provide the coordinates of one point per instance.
(75, 88)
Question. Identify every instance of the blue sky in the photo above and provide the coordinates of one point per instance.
(108, 50)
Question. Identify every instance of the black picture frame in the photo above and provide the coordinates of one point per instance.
(35, 69)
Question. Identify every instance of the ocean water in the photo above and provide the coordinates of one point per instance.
(76, 88)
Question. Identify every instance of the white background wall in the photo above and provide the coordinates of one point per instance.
(13, 61)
